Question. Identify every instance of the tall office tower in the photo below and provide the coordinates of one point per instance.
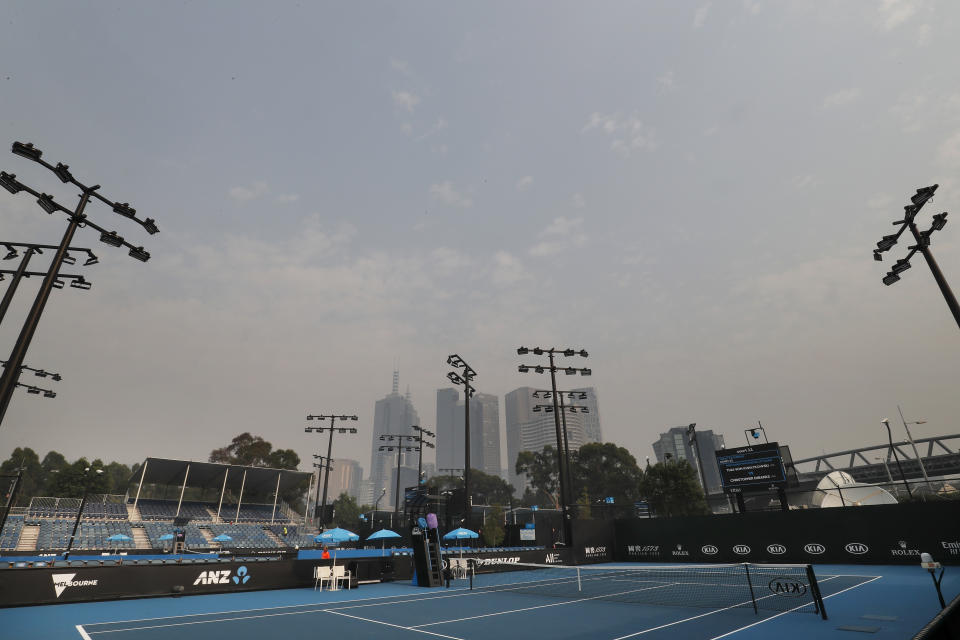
(590, 420)
(345, 477)
(519, 410)
(393, 415)
(485, 433)
(528, 430)
(449, 437)
(676, 443)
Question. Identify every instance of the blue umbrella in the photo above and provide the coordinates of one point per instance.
(118, 537)
(461, 534)
(166, 536)
(222, 538)
(336, 536)
(382, 535)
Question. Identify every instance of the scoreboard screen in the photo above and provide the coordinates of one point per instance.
(753, 466)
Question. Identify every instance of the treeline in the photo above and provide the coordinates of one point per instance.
(55, 476)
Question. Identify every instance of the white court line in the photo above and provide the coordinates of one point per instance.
(729, 633)
(395, 626)
(710, 613)
(540, 606)
(83, 634)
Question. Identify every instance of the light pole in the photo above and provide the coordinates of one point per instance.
(464, 378)
(883, 461)
(421, 432)
(562, 466)
(83, 501)
(29, 249)
(77, 219)
(399, 448)
(692, 439)
(40, 373)
(896, 458)
(383, 492)
(922, 238)
(913, 444)
(548, 408)
(331, 429)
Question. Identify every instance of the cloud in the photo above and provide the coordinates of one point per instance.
(893, 13)
(405, 100)
(560, 235)
(524, 182)
(507, 269)
(628, 133)
(923, 35)
(578, 201)
(287, 198)
(401, 65)
(841, 98)
(949, 151)
(667, 81)
(406, 128)
(446, 193)
(438, 126)
(245, 194)
(700, 16)
(880, 201)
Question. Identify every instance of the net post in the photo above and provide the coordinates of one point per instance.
(579, 586)
(815, 590)
(753, 597)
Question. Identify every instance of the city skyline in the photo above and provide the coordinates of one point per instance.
(690, 191)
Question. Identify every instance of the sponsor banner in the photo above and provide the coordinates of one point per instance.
(881, 534)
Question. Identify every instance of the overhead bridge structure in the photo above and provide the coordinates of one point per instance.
(876, 464)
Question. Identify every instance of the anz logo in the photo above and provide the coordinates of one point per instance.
(222, 577)
(814, 548)
(857, 548)
(789, 587)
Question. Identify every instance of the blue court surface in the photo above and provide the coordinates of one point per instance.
(861, 601)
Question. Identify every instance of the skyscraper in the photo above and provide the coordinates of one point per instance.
(345, 477)
(528, 430)
(676, 443)
(590, 420)
(484, 432)
(393, 415)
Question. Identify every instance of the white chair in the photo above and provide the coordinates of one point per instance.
(340, 574)
(321, 575)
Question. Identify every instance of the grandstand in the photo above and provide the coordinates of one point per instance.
(238, 509)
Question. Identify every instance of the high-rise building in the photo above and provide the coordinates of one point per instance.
(345, 477)
(591, 419)
(449, 436)
(676, 443)
(393, 415)
(484, 431)
(529, 430)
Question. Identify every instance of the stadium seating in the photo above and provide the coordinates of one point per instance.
(193, 538)
(246, 536)
(11, 532)
(55, 534)
(252, 513)
(167, 510)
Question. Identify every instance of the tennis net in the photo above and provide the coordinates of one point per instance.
(716, 586)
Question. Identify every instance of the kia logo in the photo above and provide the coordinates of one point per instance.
(814, 548)
(741, 549)
(709, 549)
(776, 549)
(789, 587)
(857, 548)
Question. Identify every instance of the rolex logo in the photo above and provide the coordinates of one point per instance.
(903, 544)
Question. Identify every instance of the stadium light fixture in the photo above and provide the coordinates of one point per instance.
(150, 225)
(523, 368)
(47, 204)
(886, 243)
(522, 351)
(57, 283)
(890, 278)
(11, 253)
(139, 253)
(91, 259)
(939, 221)
(586, 372)
(124, 209)
(111, 238)
(9, 182)
(900, 266)
(62, 171)
(923, 194)
(569, 352)
(27, 150)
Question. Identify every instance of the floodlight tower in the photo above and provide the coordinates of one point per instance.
(29, 249)
(546, 394)
(922, 238)
(77, 219)
(329, 463)
(562, 467)
(464, 378)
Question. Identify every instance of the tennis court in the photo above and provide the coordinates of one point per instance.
(884, 601)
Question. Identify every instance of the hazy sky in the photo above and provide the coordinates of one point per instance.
(689, 191)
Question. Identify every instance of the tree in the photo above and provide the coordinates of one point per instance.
(605, 470)
(493, 530)
(672, 489)
(30, 480)
(246, 450)
(490, 489)
(540, 467)
(347, 512)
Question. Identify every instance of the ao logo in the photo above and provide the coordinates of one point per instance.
(857, 548)
(776, 549)
(814, 548)
(709, 549)
(741, 549)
